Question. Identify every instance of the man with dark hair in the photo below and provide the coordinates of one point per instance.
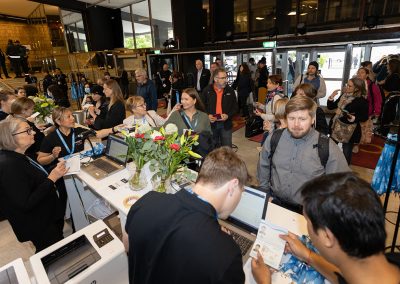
(346, 224)
(221, 105)
(301, 154)
(184, 243)
(312, 77)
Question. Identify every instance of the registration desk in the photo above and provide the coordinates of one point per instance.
(83, 190)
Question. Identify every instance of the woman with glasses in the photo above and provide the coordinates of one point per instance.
(140, 115)
(115, 110)
(23, 108)
(351, 108)
(29, 197)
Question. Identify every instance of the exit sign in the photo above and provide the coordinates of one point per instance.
(269, 44)
(157, 51)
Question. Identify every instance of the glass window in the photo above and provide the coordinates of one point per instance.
(358, 57)
(240, 16)
(379, 51)
(161, 21)
(262, 15)
(75, 31)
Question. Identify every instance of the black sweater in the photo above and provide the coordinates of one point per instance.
(114, 117)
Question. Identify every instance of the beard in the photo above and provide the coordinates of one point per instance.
(298, 133)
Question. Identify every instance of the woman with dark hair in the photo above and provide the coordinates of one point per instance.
(351, 108)
(192, 115)
(60, 98)
(177, 86)
(308, 90)
(29, 196)
(115, 110)
(244, 86)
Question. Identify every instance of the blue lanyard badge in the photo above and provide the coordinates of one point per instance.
(177, 97)
(188, 122)
(70, 152)
(38, 166)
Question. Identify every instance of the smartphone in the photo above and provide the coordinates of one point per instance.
(217, 116)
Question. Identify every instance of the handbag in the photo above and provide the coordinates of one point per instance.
(254, 126)
(342, 132)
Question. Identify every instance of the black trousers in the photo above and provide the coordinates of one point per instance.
(3, 66)
(51, 235)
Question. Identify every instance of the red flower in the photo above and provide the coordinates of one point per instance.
(175, 147)
(159, 138)
(139, 135)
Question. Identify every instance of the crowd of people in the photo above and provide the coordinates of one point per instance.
(300, 168)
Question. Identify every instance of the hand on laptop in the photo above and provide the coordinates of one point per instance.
(225, 230)
(261, 272)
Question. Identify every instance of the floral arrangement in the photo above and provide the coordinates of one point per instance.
(43, 105)
(164, 149)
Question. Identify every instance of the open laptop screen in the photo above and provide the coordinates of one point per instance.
(250, 208)
(117, 149)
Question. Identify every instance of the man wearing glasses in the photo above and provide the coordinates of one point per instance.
(146, 89)
(221, 105)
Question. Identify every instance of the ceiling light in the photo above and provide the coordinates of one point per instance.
(292, 13)
(259, 18)
(303, 14)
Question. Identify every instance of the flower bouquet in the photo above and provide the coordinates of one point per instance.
(139, 145)
(169, 151)
(44, 106)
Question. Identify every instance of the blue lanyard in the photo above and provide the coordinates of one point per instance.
(143, 120)
(70, 152)
(177, 96)
(188, 121)
(37, 165)
(202, 199)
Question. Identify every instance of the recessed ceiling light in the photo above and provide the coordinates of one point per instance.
(259, 18)
(303, 14)
(292, 13)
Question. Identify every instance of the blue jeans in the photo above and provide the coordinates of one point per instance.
(222, 137)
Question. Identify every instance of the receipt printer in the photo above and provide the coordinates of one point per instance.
(14, 273)
(91, 255)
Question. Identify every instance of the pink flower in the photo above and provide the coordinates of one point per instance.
(175, 147)
(159, 138)
(139, 135)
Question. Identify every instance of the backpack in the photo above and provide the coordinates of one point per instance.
(323, 147)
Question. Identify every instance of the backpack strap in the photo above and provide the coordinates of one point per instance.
(276, 136)
(372, 95)
(184, 120)
(323, 149)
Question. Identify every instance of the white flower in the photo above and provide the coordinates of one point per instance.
(36, 99)
(155, 134)
(50, 101)
(144, 128)
(171, 129)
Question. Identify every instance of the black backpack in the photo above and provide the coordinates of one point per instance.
(254, 126)
(323, 147)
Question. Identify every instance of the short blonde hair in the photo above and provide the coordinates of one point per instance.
(21, 104)
(141, 71)
(133, 101)
(58, 113)
(7, 128)
(279, 108)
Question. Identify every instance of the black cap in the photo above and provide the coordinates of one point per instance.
(97, 90)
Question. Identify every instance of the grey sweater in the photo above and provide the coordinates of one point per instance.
(296, 161)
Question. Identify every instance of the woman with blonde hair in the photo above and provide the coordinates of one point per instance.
(116, 108)
(22, 108)
(140, 115)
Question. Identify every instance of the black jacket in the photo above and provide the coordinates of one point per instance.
(27, 197)
(229, 103)
(204, 78)
(115, 116)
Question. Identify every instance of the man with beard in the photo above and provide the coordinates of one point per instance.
(296, 158)
(221, 105)
(312, 77)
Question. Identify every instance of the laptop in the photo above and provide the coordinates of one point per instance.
(243, 223)
(113, 161)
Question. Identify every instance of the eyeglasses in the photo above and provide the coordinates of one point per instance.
(29, 131)
(142, 105)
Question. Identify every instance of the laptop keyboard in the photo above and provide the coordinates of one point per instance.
(243, 242)
(104, 165)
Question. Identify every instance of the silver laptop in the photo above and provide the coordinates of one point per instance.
(243, 223)
(113, 161)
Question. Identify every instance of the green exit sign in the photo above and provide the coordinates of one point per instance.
(157, 51)
(269, 44)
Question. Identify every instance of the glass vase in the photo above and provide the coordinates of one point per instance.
(137, 181)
